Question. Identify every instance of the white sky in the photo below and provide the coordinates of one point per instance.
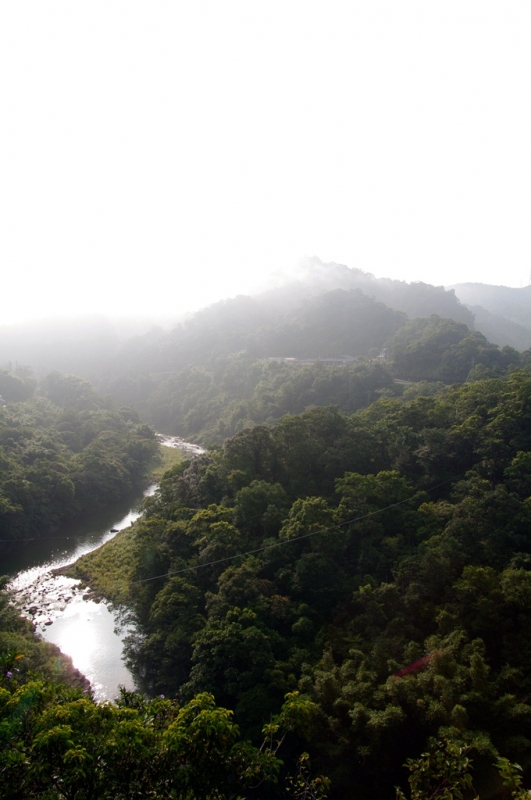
(167, 154)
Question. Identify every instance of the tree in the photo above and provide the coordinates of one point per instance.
(441, 773)
(56, 742)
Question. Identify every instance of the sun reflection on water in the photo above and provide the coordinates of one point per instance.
(86, 633)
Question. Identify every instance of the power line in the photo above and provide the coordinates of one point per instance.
(39, 539)
(279, 543)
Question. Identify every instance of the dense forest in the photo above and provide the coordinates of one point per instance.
(98, 349)
(64, 450)
(377, 562)
(502, 313)
(238, 364)
(333, 601)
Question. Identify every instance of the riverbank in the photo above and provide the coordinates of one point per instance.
(69, 608)
(170, 456)
(17, 635)
(106, 572)
(65, 614)
(42, 591)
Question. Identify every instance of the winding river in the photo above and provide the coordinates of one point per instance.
(88, 631)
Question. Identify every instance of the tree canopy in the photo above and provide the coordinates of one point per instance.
(377, 562)
(63, 452)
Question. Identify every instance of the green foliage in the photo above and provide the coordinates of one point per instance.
(68, 391)
(62, 458)
(215, 401)
(444, 350)
(379, 562)
(511, 777)
(303, 787)
(17, 384)
(57, 742)
(442, 773)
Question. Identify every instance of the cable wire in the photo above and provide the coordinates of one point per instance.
(279, 543)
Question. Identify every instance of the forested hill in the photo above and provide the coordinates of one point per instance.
(503, 313)
(340, 348)
(326, 338)
(64, 451)
(88, 347)
(330, 310)
(250, 360)
(379, 562)
(511, 302)
(351, 576)
(417, 299)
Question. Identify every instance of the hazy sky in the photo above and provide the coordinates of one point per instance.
(167, 154)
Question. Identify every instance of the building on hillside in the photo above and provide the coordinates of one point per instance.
(340, 361)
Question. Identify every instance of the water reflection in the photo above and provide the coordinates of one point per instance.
(87, 631)
(50, 552)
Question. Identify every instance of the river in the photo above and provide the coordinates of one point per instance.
(90, 632)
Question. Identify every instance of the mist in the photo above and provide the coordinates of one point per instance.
(159, 158)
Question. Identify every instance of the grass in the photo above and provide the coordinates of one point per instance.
(109, 570)
(169, 457)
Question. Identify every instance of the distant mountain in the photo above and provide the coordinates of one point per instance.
(250, 360)
(503, 313)
(226, 367)
(416, 299)
(502, 330)
(81, 346)
(287, 320)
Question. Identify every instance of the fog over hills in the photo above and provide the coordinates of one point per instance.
(416, 299)
(252, 231)
(231, 364)
(87, 345)
(503, 313)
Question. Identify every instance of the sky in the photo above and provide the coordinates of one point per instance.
(159, 156)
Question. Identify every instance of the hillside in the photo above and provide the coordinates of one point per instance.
(94, 346)
(222, 369)
(328, 335)
(64, 451)
(345, 572)
(377, 562)
(340, 347)
(502, 313)
(417, 299)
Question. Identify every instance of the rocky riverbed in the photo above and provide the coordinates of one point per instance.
(180, 444)
(66, 612)
(44, 599)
